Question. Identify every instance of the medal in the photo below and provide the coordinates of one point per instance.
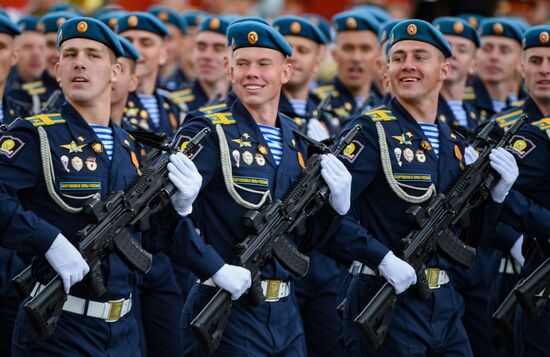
(97, 147)
(77, 163)
(236, 157)
(91, 163)
(73, 147)
(420, 156)
(408, 154)
(397, 152)
(65, 162)
(247, 157)
(262, 149)
(425, 144)
(458, 153)
(260, 160)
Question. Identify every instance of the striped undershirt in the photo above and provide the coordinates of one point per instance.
(299, 106)
(105, 135)
(274, 140)
(458, 112)
(1, 112)
(498, 106)
(151, 105)
(432, 133)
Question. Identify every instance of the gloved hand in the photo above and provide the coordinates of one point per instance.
(183, 173)
(233, 279)
(316, 130)
(515, 251)
(470, 155)
(338, 180)
(397, 272)
(504, 163)
(66, 260)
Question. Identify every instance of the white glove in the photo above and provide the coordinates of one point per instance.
(183, 173)
(397, 272)
(338, 180)
(233, 279)
(515, 251)
(316, 130)
(504, 163)
(470, 155)
(66, 260)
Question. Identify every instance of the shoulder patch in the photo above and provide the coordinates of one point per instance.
(543, 124)
(45, 119)
(521, 146)
(33, 88)
(213, 108)
(181, 144)
(323, 91)
(223, 118)
(509, 119)
(380, 115)
(182, 96)
(352, 151)
(469, 93)
(9, 146)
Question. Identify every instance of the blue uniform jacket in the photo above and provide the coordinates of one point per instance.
(446, 115)
(175, 81)
(137, 117)
(81, 168)
(215, 213)
(286, 108)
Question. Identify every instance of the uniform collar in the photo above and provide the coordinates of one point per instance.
(483, 99)
(532, 110)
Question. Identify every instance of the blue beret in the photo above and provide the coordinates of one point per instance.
(129, 50)
(500, 27)
(458, 27)
(519, 22)
(322, 24)
(355, 21)
(169, 16)
(385, 30)
(298, 26)
(537, 36)
(255, 34)
(110, 18)
(217, 24)
(472, 19)
(107, 9)
(249, 18)
(378, 13)
(92, 29)
(29, 23)
(52, 22)
(420, 30)
(8, 27)
(141, 21)
(194, 18)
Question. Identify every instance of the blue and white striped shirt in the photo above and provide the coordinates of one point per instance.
(274, 140)
(458, 112)
(1, 112)
(299, 106)
(432, 133)
(105, 135)
(151, 105)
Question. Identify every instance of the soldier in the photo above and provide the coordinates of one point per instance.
(171, 77)
(263, 160)
(148, 108)
(86, 154)
(528, 207)
(193, 19)
(126, 83)
(211, 83)
(9, 109)
(498, 59)
(419, 156)
(356, 55)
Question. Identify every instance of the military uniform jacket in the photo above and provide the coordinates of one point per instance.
(38, 91)
(286, 108)
(378, 209)
(527, 207)
(137, 117)
(445, 114)
(175, 81)
(215, 212)
(81, 168)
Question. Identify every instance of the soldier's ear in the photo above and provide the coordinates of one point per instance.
(445, 70)
(163, 55)
(286, 73)
(15, 56)
(56, 72)
(115, 72)
(134, 82)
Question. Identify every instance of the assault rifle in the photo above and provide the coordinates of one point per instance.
(433, 222)
(111, 217)
(532, 294)
(267, 240)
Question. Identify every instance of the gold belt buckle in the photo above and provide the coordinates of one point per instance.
(115, 310)
(432, 275)
(272, 290)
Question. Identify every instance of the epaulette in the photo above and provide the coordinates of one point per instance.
(469, 93)
(381, 115)
(36, 87)
(46, 119)
(223, 118)
(508, 119)
(323, 91)
(213, 108)
(543, 124)
(517, 103)
(182, 96)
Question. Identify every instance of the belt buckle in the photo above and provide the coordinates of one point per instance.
(272, 290)
(432, 274)
(115, 309)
